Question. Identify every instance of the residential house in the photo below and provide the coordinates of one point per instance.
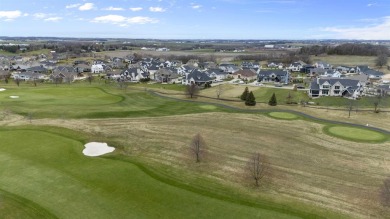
(80, 68)
(196, 77)
(306, 69)
(275, 64)
(134, 74)
(295, 67)
(29, 76)
(217, 74)
(323, 65)
(97, 68)
(345, 69)
(374, 74)
(279, 76)
(245, 74)
(38, 69)
(167, 75)
(335, 87)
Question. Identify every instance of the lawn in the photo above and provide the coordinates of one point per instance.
(356, 134)
(153, 134)
(264, 94)
(49, 170)
(83, 101)
(283, 115)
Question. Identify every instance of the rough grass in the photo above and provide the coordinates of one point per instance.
(356, 134)
(49, 170)
(309, 167)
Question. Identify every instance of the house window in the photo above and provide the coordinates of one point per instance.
(336, 92)
(325, 92)
(325, 86)
(337, 87)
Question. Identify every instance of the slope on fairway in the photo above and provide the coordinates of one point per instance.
(49, 170)
(92, 102)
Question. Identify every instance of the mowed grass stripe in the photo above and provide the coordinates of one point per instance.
(51, 171)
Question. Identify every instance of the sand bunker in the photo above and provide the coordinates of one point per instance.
(94, 149)
(14, 97)
(2, 89)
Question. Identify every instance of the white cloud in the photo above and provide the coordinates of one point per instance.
(136, 9)
(53, 19)
(123, 21)
(196, 6)
(110, 19)
(72, 6)
(371, 4)
(40, 15)
(86, 7)
(10, 15)
(156, 9)
(113, 9)
(378, 31)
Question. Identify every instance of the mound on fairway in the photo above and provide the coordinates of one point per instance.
(355, 134)
(283, 115)
(94, 149)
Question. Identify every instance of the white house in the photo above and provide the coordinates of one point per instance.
(97, 68)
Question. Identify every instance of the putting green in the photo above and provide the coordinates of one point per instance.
(355, 134)
(283, 115)
(50, 171)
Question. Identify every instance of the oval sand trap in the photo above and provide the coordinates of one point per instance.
(93, 149)
(2, 89)
(14, 97)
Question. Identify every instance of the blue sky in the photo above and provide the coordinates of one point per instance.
(201, 19)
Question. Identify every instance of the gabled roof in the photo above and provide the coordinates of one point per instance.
(199, 76)
(373, 72)
(276, 72)
(343, 81)
(245, 73)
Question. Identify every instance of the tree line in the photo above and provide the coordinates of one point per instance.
(346, 49)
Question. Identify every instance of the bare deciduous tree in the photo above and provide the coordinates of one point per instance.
(257, 167)
(198, 147)
(192, 90)
(381, 60)
(89, 78)
(219, 91)
(385, 193)
(350, 107)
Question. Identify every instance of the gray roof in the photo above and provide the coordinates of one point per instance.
(344, 81)
(199, 76)
(276, 72)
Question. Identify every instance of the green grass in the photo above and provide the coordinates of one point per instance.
(264, 94)
(82, 101)
(283, 115)
(49, 170)
(355, 134)
(174, 87)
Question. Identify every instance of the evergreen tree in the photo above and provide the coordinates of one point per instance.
(272, 101)
(250, 99)
(244, 94)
